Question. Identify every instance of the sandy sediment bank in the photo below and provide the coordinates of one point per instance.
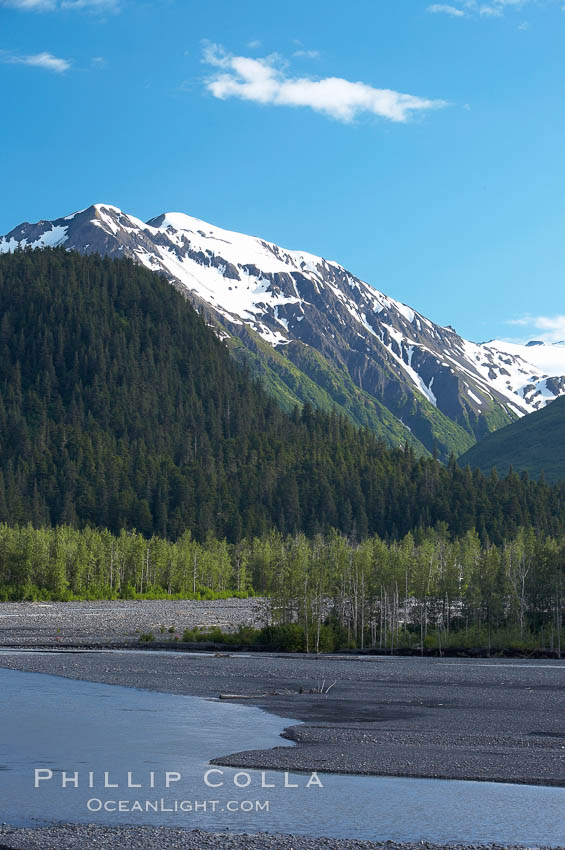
(79, 837)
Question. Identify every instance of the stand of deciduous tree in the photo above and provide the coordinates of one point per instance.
(426, 590)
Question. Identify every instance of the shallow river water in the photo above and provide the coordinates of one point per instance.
(94, 735)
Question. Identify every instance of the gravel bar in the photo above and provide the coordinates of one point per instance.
(493, 719)
(120, 623)
(78, 837)
(497, 720)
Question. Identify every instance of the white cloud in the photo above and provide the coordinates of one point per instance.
(38, 60)
(545, 328)
(484, 8)
(302, 51)
(91, 5)
(443, 8)
(307, 54)
(56, 5)
(30, 5)
(265, 81)
(497, 7)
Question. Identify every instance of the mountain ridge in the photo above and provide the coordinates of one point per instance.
(311, 328)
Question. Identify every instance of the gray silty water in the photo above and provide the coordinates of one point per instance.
(64, 725)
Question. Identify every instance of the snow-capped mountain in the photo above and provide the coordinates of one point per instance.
(316, 332)
(548, 360)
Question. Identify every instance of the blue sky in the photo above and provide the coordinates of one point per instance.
(420, 144)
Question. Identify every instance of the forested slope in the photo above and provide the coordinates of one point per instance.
(119, 408)
(535, 443)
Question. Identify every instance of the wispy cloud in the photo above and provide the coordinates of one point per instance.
(545, 328)
(482, 8)
(91, 5)
(491, 11)
(266, 81)
(303, 52)
(29, 5)
(445, 9)
(307, 54)
(46, 61)
(58, 5)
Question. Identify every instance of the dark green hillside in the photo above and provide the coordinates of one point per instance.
(315, 381)
(535, 444)
(299, 374)
(119, 408)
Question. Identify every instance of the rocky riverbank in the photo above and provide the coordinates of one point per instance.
(79, 837)
(494, 720)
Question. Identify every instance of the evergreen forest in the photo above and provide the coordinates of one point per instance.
(120, 409)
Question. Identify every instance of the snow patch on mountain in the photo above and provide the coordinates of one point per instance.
(548, 358)
(50, 238)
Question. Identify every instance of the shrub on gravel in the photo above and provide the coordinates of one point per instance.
(146, 637)
(288, 637)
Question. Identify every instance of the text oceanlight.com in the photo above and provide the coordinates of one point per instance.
(177, 806)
